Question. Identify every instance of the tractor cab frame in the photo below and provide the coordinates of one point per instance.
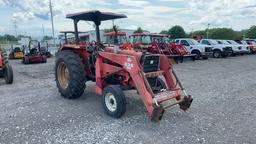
(34, 54)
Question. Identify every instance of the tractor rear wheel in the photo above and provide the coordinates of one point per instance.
(70, 74)
(44, 59)
(8, 74)
(113, 101)
(26, 60)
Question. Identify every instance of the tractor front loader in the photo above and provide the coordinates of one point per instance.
(117, 70)
(5, 68)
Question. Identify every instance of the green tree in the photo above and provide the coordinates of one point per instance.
(164, 32)
(251, 32)
(201, 33)
(47, 38)
(177, 32)
(224, 33)
(139, 30)
(111, 29)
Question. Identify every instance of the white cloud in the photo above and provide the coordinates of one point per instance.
(1, 3)
(220, 12)
(151, 15)
(2, 29)
(133, 3)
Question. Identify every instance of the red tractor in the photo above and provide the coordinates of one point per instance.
(116, 70)
(121, 40)
(44, 49)
(5, 67)
(34, 55)
(161, 45)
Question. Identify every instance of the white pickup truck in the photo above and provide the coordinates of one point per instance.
(236, 49)
(201, 51)
(219, 50)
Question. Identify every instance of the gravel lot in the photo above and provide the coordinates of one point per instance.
(223, 111)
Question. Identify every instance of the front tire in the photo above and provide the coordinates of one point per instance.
(70, 74)
(216, 54)
(8, 74)
(113, 101)
(197, 53)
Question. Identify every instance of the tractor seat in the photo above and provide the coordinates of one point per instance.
(33, 51)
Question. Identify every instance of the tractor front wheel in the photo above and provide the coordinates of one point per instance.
(113, 100)
(70, 74)
(160, 85)
(8, 74)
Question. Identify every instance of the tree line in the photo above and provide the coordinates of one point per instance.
(214, 33)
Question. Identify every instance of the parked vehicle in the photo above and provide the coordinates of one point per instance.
(235, 48)
(241, 48)
(44, 49)
(34, 55)
(219, 50)
(16, 52)
(252, 46)
(117, 71)
(244, 45)
(160, 44)
(201, 51)
(6, 71)
(118, 39)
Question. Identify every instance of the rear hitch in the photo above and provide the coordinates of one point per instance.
(185, 104)
(157, 113)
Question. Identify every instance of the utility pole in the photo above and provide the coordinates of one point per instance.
(50, 1)
(43, 30)
(208, 30)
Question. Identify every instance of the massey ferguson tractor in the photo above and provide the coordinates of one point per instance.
(5, 68)
(115, 71)
(34, 55)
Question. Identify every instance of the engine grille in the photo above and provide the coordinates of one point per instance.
(150, 63)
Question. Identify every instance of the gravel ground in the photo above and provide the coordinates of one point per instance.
(223, 111)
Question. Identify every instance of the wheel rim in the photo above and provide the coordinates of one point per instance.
(63, 75)
(110, 102)
(216, 54)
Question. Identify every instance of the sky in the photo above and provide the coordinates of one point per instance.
(32, 17)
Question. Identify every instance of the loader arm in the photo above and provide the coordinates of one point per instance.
(131, 65)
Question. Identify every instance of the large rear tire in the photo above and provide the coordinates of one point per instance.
(70, 74)
(26, 60)
(8, 74)
(113, 101)
(44, 59)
